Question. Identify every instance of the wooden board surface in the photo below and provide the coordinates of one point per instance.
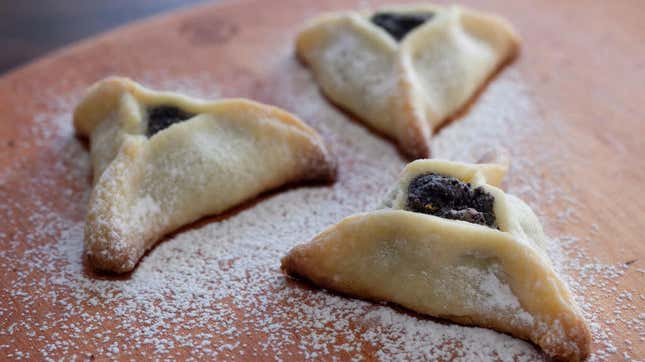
(581, 65)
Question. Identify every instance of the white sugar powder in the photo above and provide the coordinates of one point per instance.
(205, 291)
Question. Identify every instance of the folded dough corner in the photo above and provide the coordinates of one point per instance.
(162, 160)
(404, 70)
(469, 253)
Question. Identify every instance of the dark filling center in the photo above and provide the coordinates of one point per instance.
(399, 25)
(450, 198)
(162, 117)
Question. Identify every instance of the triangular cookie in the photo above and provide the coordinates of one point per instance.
(162, 160)
(405, 70)
(453, 246)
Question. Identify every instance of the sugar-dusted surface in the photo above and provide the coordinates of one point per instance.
(214, 290)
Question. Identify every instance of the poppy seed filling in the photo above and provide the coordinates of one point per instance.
(450, 198)
(399, 25)
(162, 117)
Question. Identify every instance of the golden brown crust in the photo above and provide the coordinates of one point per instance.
(414, 133)
(300, 263)
(400, 257)
(231, 151)
(412, 120)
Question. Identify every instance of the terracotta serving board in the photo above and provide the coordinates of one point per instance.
(569, 110)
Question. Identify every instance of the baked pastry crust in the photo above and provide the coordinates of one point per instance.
(406, 89)
(148, 185)
(499, 278)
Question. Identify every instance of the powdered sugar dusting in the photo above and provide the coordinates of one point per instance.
(215, 290)
(490, 295)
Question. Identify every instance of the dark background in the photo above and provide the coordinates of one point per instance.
(32, 28)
